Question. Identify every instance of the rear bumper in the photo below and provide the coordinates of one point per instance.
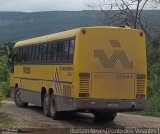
(69, 104)
(110, 105)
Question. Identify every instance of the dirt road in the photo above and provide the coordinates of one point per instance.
(32, 120)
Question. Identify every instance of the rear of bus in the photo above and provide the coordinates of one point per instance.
(110, 69)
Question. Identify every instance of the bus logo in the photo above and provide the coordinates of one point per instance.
(26, 70)
(111, 62)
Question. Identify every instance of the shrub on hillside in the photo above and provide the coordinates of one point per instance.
(153, 106)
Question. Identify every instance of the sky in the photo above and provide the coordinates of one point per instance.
(50, 5)
(43, 5)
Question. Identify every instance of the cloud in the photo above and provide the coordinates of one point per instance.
(42, 5)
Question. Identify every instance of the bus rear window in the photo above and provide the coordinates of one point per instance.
(65, 51)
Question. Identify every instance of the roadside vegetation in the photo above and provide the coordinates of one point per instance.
(153, 95)
(4, 71)
(5, 119)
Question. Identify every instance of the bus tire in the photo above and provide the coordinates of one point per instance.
(109, 116)
(46, 105)
(53, 109)
(17, 99)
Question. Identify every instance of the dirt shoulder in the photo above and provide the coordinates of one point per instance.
(31, 119)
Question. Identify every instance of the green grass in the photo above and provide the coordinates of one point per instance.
(152, 107)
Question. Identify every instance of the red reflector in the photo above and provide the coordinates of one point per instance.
(140, 76)
(140, 96)
(84, 95)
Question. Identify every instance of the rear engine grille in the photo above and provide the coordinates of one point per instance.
(140, 86)
(140, 92)
(84, 85)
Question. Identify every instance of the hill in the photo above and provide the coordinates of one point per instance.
(19, 25)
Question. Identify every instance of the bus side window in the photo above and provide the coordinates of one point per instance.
(33, 53)
(40, 52)
(36, 56)
(26, 54)
(30, 54)
(71, 50)
(21, 55)
(52, 48)
(44, 52)
(49, 55)
(17, 55)
(66, 51)
(60, 51)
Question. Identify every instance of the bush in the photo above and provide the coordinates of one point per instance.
(4, 75)
(1, 97)
(4, 88)
(153, 106)
(4, 68)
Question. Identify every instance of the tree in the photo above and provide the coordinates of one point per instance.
(154, 68)
(4, 69)
(126, 12)
(6, 48)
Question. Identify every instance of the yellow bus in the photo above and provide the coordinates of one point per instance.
(101, 70)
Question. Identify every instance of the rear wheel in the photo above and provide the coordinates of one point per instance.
(103, 116)
(53, 110)
(17, 99)
(46, 105)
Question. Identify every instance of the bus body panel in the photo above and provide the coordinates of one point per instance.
(115, 60)
(42, 76)
(108, 71)
(31, 79)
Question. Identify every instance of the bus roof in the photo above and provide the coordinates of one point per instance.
(47, 38)
(56, 36)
